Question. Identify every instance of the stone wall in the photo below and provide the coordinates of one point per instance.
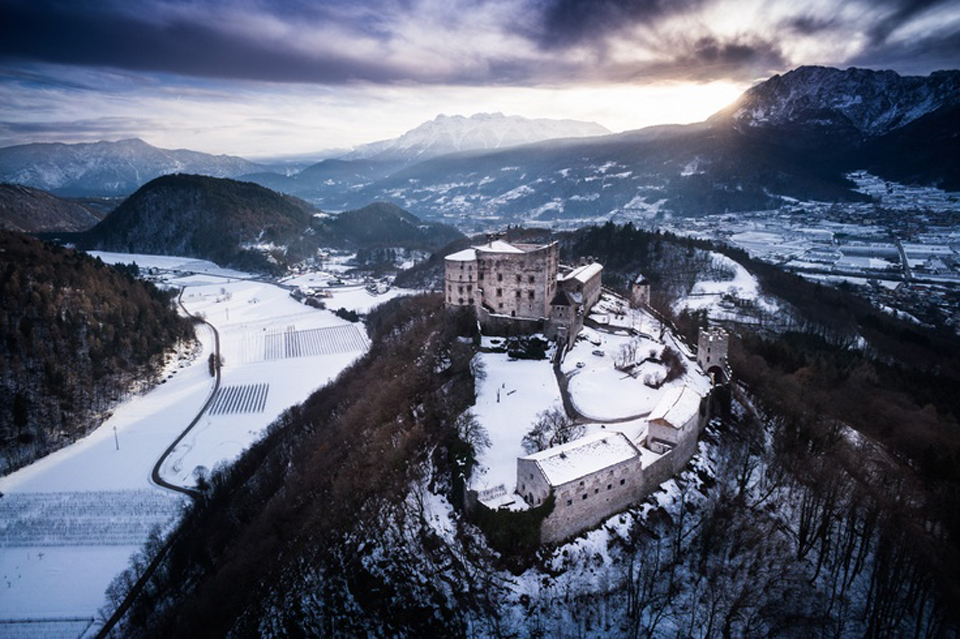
(585, 502)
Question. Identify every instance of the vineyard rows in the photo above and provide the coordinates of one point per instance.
(246, 398)
(315, 341)
(105, 518)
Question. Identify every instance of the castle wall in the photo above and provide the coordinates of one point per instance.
(531, 484)
(712, 347)
(573, 514)
(587, 501)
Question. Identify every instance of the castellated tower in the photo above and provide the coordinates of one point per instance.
(712, 349)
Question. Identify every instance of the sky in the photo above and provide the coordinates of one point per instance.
(261, 78)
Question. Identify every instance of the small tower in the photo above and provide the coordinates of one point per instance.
(712, 348)
(640, 292)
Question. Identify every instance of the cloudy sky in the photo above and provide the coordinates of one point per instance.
(263, 78)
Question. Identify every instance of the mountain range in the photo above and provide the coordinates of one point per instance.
(791, 137)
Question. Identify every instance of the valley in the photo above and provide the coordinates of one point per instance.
(75, 520)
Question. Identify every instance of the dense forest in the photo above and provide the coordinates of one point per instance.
(77, 336)
(821, 502)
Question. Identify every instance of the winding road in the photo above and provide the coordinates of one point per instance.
(138, 587)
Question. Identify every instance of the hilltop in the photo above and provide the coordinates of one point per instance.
(76, 337)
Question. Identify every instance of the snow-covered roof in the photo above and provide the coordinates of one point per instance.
(499, 246)
(677, 406)
(641, 279)
(466, 255)
(584, 273)
(568, 462)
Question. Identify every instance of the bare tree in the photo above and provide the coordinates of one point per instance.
(552, 428)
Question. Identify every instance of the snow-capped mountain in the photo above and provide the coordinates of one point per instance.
(450, 134)
(108, 168)
(858, 102)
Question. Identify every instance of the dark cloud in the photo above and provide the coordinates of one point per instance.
(809, 24)
(709, 58)
(566, 23)
(918, 56)
(903, 12)
(74, 34)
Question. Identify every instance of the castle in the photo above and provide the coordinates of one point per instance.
(519, 288)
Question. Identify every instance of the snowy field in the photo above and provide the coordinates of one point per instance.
(710, 294)
(508, 401)
(70, 522)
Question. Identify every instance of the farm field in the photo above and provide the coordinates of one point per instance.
(72, 521)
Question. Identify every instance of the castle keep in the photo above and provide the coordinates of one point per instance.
(520, 287)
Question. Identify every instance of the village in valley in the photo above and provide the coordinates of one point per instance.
(612, 408)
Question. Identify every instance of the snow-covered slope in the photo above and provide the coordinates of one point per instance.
(871, 103)
(108, 168)
(449, 134)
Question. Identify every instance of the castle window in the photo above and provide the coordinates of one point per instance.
(518, 294)
(470, 301)
(584, 496)
(596, 491)
(480, 276)
(518, 278)
(460, 289)
(499, 277)
(513, 313)
(460, 301)
(621, 481)
(609, 486)
(531, 279)
(499, 292)
(532, 295)
(569, 502)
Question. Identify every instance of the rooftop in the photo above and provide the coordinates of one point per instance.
(677, 406)
(499, 246)
(584, 273)
(568, 462)
(466, 255)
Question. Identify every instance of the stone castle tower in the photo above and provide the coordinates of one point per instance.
(712, 348)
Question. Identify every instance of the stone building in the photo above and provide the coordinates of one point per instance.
(516, 287)
(712, 347)
(590, 478)
(675, 418)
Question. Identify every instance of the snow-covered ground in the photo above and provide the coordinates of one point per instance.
(71, 521)
(719, 297)
(508, 401)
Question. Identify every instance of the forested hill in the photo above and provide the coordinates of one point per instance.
(385, 225)
(31, 210)
(77, 335)
(232, 223)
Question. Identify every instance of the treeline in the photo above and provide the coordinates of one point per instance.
(314, 530)
(77, 336)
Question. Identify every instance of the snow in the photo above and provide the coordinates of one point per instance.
(707, 294)
(82, 507)
(466, 255)
(499, 246)
(678, 406)
(589, 454)
(508, 401)
(584, 273)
